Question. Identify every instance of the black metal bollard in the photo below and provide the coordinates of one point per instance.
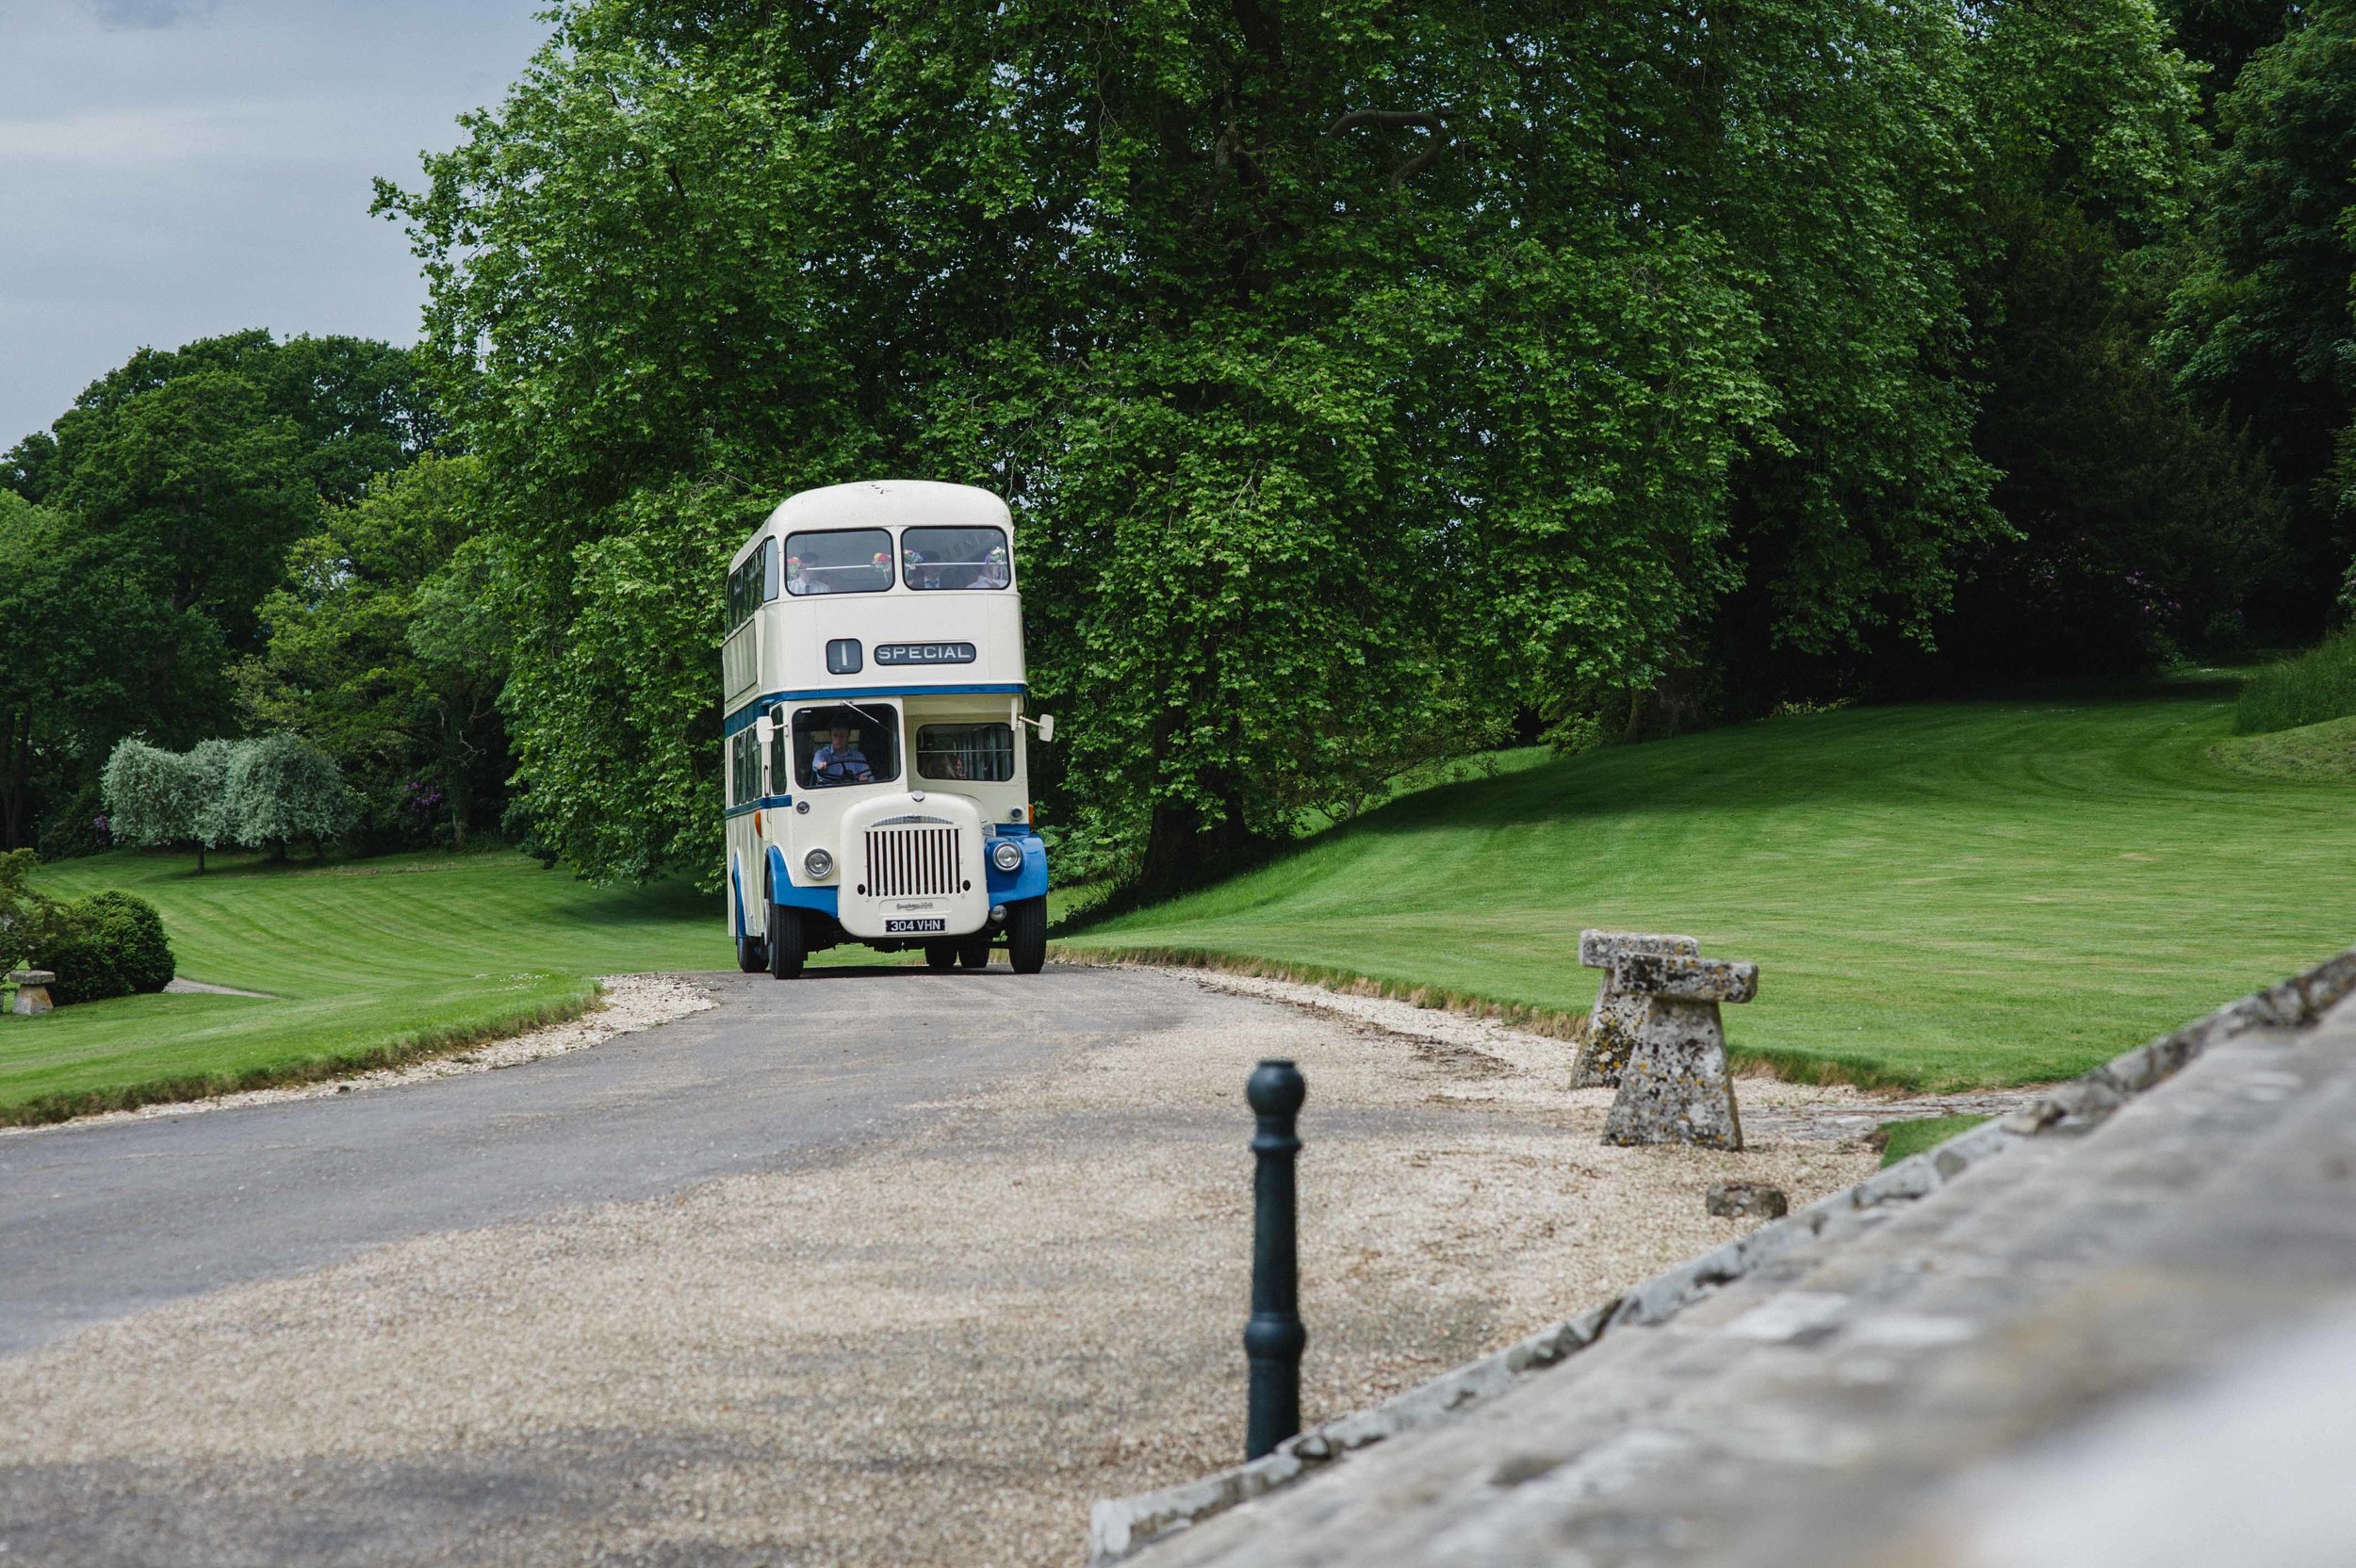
(1273, 1339)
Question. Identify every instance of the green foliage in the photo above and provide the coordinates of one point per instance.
(153, 796)
(385, 651)
(106, 944)
(280, 788)
(69, 609)
(213, 823)
(2260, 325)
(2223, 34)
(25, 911)
(2319, 684)
(1340, 365)
(165, 501)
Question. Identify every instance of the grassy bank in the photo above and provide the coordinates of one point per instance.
(1939, 896)
(2316, 686)
(364, 962)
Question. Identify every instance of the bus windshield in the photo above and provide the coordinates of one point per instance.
(847, 744)
(841, 560)
(953, 558)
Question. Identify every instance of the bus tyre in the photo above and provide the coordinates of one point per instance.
(974, 954)
(752, 955)
(786, 942)
(1026, 936)
(941, 955)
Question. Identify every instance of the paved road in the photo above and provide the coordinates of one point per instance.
(102, 1221)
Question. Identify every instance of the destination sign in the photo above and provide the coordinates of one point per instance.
(924, 653)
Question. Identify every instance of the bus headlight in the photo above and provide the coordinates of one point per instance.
(1006, 857)
(819, 864)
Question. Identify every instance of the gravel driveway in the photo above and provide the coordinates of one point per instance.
(935, 1340)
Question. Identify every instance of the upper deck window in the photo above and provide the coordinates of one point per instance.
(954, 558)
(841, 560)
(753, 583)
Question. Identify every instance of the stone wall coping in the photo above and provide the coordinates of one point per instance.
(1120, 1527)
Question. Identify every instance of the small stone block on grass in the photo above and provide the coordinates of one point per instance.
(1611, 1027)
(1746, 1201)
(32, 991)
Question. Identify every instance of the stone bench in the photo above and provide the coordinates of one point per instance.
(32, 991)
(1611, 1027)
(1674, 1087)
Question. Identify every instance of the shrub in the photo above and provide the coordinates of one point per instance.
(26, 916)
(281, 790)
(106, 944)
(2319, 684)
(150, 795)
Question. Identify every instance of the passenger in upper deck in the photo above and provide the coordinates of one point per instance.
(840, 761)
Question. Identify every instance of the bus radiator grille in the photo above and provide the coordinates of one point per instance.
(912, 862)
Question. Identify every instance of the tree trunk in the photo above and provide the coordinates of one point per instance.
(1183, 850)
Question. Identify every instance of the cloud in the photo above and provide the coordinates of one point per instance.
(147, 15)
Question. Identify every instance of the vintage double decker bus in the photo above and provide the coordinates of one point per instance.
(877, 784)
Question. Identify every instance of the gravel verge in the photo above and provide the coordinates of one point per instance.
(937, 1349)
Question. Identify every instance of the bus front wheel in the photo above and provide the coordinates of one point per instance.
(941, 955)
(787, 945)
(752, 955)
(1026, 936)
(974, 954)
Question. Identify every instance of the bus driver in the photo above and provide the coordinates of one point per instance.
(840, 761)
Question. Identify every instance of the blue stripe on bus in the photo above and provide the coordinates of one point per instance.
(743, 718)
(766, 802)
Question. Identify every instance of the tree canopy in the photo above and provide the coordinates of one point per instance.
(1357, 375)
(162, 507)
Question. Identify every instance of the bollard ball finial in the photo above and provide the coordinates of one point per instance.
(1276, 1088)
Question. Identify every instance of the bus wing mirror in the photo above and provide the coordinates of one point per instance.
(765, 729)
(1047, 726)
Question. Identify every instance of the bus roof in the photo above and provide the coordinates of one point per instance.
(885, 503)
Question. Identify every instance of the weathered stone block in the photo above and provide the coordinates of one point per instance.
(1746, 1201)
(1611, 1027)
(1674, 1087)
(32, 991)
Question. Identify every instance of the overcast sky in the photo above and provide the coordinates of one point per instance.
(176, 168)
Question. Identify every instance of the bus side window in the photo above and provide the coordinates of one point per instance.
(768, 570)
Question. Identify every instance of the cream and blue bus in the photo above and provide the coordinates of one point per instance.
(878, 788)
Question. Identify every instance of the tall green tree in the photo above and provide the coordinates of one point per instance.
(191, 472)
(70, 606)
(2136, 526)
(1357, 373)
(2260, 327)
(384, 652)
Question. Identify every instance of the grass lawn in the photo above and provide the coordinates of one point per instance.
(365, 961)
(1938, 896)
(1905, 1139)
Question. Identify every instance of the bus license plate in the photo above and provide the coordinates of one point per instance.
(895, 926)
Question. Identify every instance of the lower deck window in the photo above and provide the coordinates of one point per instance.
(847, 744)
(973, 753)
